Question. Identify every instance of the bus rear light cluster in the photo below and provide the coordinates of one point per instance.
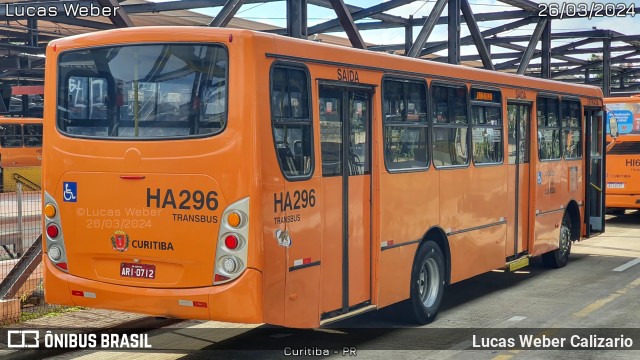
(231, 251)
(55, 248)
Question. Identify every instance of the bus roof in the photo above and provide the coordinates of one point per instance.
(630, 99)
(327, 53)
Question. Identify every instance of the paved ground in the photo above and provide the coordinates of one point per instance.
(599, 289)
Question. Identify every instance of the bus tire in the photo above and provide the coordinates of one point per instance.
(558, 258)
(427, 283)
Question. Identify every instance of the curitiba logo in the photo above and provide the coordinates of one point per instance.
(120, 241)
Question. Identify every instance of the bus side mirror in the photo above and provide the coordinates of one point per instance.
(613, 127)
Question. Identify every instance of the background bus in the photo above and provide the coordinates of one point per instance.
(623, 155)
(21, 137)
(247, 177)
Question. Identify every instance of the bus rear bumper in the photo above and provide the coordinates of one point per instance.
(623, 201)
(239, 301)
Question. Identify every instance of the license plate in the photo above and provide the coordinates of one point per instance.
(143, 271)
(615, 185)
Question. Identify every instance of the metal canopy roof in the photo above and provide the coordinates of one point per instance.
(544, 53)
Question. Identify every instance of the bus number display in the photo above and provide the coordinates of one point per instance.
(299, 200)
(183, 200)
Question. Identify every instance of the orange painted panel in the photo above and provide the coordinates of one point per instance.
(331, 263)
(395, 271)
(476, 252)
(304, 224)
(525, 207)
(547, 232)
(359, 239)
(408, 207)
(239, 301)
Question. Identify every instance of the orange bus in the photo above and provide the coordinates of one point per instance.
(623, 155)
(247, 177)
(20, 142)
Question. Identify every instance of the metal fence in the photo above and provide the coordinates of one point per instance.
(21, 287)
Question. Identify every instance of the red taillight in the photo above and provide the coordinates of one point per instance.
(231, 242)
(200, 304)
(219, 277)
(52, 231)
(62, 265)
(77, 293)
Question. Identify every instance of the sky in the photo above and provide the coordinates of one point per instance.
(275, 14)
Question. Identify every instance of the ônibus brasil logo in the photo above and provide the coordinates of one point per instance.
(120, 241)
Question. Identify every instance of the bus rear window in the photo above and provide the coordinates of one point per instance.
(143, 91)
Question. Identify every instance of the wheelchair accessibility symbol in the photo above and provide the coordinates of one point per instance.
(70, 191)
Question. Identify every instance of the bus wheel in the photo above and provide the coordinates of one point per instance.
(559, 257)
(427, 283)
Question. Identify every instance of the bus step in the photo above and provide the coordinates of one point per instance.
(518, 263)
(348, 315)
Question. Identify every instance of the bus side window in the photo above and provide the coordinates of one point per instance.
(571, 129)
(291, 120)
(405, 124)
(450, 128)
(548, 128)
(486, 130)
(32, 135)
(10, 135)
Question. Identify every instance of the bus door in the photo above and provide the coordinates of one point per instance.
(345, 140)
(595, 161)
(519, 118)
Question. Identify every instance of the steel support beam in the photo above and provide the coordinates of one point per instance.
(297, 18)
(627, 74)
(120, 17)
(453, 28)
(334, 25)
(528, 53)
(38, 50)
(408, 36)
(427, 28)
(32, 32)
(490, 32)
(34, 64)
(81, 22)
(504, 15)
(478, 40)
(507, 65)
(344, 16)
(523, 4)
(555, 56)
(545, 70)
(227, 13)
(606, 67)
(386, 18)
(594, 35)
(587, 75)
(594, 64)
